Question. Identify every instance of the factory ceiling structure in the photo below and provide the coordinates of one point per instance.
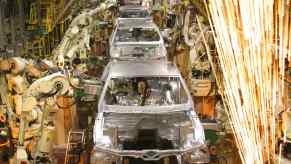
(145, 81)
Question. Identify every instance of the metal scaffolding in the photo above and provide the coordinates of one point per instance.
(2, 40)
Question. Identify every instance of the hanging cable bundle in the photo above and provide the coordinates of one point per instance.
(253, 43)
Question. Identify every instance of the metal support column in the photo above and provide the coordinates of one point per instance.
(22, 26)
(38, 9)
(22, 18)
(13, 33)
(2, 40)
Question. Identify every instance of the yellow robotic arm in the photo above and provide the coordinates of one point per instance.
(77, 36)
(55, 84)
(49, 86)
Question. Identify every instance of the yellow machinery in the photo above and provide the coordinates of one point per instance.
(47, 13)
(32, 22)
(35, 48)
(47, 7)
(41, 23)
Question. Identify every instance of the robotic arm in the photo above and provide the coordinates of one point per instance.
(187, 39)
(49, 86)
(55, 84)
(77, 35)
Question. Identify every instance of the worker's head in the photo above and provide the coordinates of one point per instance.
(76, 61)
(142, 86)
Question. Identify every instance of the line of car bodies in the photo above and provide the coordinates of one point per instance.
(145, 111)
(136, 36)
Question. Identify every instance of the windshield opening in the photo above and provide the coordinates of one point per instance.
(134, 14)
(145, 91)
(137, 35)
(138, 51)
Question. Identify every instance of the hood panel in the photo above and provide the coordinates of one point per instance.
(153, 128)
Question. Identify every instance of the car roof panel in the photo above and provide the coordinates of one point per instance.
(142, 68)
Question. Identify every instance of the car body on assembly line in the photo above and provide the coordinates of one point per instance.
(134, 11)
(137, 39)
(145, 113)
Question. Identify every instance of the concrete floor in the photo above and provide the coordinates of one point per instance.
(285, 161)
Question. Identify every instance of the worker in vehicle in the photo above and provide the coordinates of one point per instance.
(143, 90)
(76, 63)
(167, 97)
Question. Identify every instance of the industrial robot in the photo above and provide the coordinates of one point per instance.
(32, 121)
(77, 38)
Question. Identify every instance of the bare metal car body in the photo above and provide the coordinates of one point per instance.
(133, 11)
(130, 2)
(137, 39)
(155, 131)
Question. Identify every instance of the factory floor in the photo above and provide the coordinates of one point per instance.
(285, 161)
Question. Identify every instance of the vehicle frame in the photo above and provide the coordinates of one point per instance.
(134, 9)
(117, 48)
(147, 69)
